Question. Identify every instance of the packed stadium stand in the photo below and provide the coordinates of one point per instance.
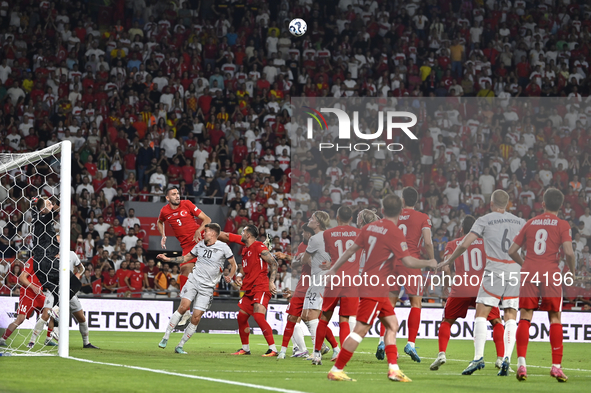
(154, 93)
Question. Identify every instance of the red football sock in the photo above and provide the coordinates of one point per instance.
(414, 321)
(444, 335)
(264, 325)
(343, 359)
(392, 354)
(499, 339)
(7, 333)
(556, 342)
(344, 331)
(522, 337)
(243, 327)
(320, 334)
(49, 332)
(382, 330)
(329, 336)
(287, 333)
(182, 280)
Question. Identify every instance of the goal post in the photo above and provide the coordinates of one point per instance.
(28, 177)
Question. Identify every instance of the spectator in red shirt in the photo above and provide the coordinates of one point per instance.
(150, 272)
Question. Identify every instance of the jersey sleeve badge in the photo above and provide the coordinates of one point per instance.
(404, 246)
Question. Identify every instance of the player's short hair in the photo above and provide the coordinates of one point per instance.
(252, 230)
(553, 199)
(467, 223)
(171, 188)
(410, 196)
(40, 202)
(345, 213)
(366, 216)
(392, 205)
(323, 219)
(215, 227)
(500, 198)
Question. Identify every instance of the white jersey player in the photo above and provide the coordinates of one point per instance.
(212, 255)
(501, 278)
(315, 256)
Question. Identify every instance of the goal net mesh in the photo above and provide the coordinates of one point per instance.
(29, 246)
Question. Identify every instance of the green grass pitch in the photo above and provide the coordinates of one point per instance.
(209, 357)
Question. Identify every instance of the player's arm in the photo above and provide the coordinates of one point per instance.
(23, 280)
(428, 243)
(146, 280)
(160, 225)
(415, 263)
(270, 259)
(233, 268)
(297, 261)
(239, 275)
(343, 258)
(570, 255)
(468, 239)
(515, 255)
(127, 282)
(307, 258)
(230, 238)
(199, 232)
(181, 259)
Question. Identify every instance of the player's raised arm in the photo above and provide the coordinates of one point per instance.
(468, 239)
(515, 255)
(181, 259)
(199, 232)
(415, 263)
(160, 225)
(270, 259)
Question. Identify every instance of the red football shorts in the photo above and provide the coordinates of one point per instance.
(348, 305)
(530, 294)
(457, 307)
(410, 279)
(372, 307)
(28, 304)
(247, 302)
(185, 252)
(296, 305)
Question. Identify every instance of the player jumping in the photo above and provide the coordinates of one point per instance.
(258, 288)
(212, 255)
(463, 295)
(181, 214)
(416, 227)
(542, 237)
(336, 241)
(383, 242)
(500, 281)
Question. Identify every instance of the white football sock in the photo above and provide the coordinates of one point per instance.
(273, 348)
(393, 367)
(298, 337)
(283, 349)
(38, 329)
(479, 337)
(174, 320)
(381, 339)
(246, 347)
(510, 333)
(189, 331)
(520, 361)
(312, 326)
(83, 326)
(352, 322)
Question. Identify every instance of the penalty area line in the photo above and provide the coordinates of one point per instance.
(227, 382)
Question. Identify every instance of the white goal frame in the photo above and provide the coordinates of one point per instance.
(16, 160)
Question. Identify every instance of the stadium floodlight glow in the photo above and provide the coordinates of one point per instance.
(58, 159)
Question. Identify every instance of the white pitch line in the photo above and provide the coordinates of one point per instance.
(247, 385)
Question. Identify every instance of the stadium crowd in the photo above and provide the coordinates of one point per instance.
(197, 94)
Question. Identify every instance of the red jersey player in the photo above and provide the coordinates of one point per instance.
(336, 241)
(542, 237)
(383, 243)
(296, 302)
(258, 288)
(31, 299)
(470, 267)
(416, 227)
(181, 217)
